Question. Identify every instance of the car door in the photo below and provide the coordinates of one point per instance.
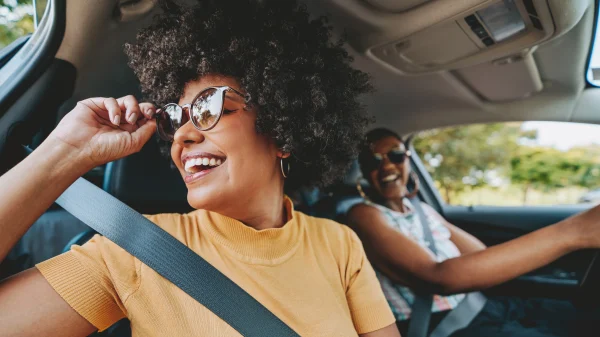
(501, 181)
(33, 82)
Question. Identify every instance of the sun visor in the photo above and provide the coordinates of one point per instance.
(507, 79)
(429, 49)
(395, 6)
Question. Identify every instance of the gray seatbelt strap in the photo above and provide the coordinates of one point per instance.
(171, 259)
(460, 317)
(421, 308)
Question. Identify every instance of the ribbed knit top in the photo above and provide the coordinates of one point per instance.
(312, 273)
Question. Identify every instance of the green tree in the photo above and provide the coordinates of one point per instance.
(548, 169)
(465, 157)
(16, 20)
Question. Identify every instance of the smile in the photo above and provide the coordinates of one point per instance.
(194, 165)
(388, 178)
(198, 165)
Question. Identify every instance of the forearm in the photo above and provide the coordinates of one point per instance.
(30, 187)
(504, 262)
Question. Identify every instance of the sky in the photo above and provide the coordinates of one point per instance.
(562, 135)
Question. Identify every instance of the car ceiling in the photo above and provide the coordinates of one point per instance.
(96, 32)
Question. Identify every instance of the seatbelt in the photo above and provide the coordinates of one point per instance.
(459, 318)
(421, 308)
(171, 259)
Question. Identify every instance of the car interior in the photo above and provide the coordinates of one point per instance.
(434, 63)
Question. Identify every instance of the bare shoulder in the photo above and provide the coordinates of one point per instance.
(361, 214)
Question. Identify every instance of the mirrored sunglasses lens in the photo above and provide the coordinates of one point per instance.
(376, 162)
(170, 118)
(207, 108)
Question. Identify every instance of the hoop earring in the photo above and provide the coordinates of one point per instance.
(360, 189)
(286, 172)
(415, 189)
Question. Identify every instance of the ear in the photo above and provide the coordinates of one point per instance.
(281, 154)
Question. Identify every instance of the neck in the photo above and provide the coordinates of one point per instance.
(269, 216)
(262, 210)
(396, 204)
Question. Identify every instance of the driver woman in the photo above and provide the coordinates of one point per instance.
(393, 238)
(262, 98)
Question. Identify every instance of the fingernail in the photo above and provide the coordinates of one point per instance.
(150, 112)
(132, 118)
(117, 120)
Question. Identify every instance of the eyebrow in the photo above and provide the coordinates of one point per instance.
(234, 97)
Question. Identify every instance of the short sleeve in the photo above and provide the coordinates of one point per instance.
(368, 306)
(95, 279)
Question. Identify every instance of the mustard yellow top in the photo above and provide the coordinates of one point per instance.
(312, 273)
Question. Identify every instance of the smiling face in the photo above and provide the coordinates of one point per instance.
(389, 179)
(230, 164)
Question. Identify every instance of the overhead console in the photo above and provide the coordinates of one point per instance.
(486, 32)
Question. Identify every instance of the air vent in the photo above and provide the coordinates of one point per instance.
(536, 22)
(530, 7)
(479, 30)
(533, 15)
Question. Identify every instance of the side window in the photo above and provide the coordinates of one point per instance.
(514, 164)
(16, 20)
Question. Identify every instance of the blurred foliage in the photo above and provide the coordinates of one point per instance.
(16, 20)
(469, 157)
(548, 169)
(466, 158)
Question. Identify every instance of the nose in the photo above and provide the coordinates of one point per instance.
(188, 134)
(386, 163)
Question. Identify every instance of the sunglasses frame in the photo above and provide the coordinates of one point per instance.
(378, 160)
(187, 108)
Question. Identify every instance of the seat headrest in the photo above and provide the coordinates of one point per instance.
(146, 182)
(342, 195)
(353, 174)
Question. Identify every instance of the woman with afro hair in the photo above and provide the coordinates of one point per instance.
(251, 96)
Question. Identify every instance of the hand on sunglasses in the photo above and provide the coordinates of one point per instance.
(101, 129)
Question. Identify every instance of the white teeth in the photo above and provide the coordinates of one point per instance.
(189, 165)
(389, 178)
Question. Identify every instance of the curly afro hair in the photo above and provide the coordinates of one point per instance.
(306, 92)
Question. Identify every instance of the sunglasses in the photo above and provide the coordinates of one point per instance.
(395, 156)
(205, 111)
